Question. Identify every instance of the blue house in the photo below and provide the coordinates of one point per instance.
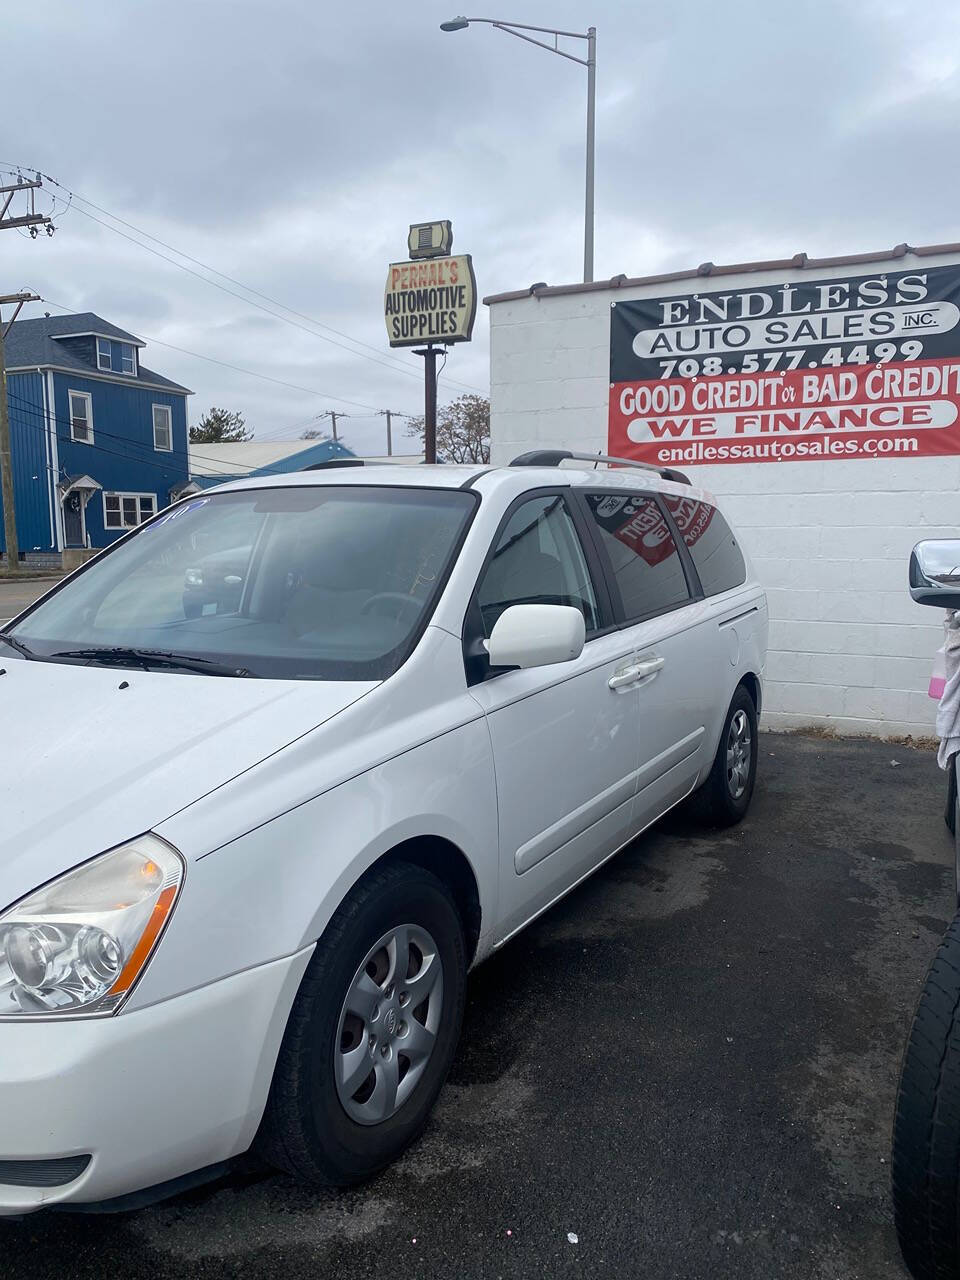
(98, 441)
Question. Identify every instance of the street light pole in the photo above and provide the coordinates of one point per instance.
(590, 62)
(591, 148)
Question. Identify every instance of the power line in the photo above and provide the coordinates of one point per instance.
(377, 357)
(264, 377)
(27, 409)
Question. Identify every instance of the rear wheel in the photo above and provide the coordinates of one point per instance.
(725, 796)
(372, 1033)
(926, 1133)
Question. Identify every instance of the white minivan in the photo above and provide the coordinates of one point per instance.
(255, 830)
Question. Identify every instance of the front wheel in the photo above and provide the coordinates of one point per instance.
(372, 1032)
(725, 796)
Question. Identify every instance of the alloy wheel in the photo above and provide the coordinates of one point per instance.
(739, 747)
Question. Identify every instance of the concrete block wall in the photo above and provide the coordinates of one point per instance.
(830, 540)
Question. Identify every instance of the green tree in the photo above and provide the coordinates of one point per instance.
(219, 426)
(463, 429)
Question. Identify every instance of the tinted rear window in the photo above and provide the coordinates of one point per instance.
(711, 544)
(643, 556)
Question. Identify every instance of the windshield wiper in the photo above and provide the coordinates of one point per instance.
(17, 644)
(120, 655)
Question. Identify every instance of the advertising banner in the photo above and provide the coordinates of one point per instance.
(862, 367)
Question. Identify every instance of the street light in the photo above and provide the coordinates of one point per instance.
(590, 62)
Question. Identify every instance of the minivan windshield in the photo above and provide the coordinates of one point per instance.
(330, 582)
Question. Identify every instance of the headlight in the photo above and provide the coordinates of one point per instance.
(193, 578)
(79, 944)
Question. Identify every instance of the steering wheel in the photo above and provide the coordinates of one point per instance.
(388, 598)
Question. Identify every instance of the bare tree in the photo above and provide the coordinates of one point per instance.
(463, 430)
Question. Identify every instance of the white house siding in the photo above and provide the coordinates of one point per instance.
(830, 540)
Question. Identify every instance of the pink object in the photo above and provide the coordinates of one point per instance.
(938, 677)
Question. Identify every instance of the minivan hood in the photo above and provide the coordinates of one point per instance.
(92, 756)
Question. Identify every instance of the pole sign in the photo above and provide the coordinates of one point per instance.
(861, 367)
(431, 300)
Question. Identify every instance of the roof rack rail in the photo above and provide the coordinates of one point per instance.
(553, 458)
(334, 462)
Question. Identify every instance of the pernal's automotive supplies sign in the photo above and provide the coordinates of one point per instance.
(431, 300)
(862, 367)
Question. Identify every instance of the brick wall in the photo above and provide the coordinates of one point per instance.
(829, 540)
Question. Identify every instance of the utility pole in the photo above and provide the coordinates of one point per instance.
(6, 454)
(11, 219)
(389, 414)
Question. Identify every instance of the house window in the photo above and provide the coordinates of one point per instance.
(162, 428)
(116, 357)
(81, 417)
(127, 510)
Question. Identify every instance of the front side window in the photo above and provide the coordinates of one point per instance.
(644, 560)
(81, 417)
(162, 428)
(713, 548)
(537, 559)
(127, 510)
(300, 582)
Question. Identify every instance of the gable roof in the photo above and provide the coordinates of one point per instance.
(32, 344)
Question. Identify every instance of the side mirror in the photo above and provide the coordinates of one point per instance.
(536, 635)
(935, 573)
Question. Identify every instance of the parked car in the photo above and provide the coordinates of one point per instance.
(925, 1170)
(248, 858)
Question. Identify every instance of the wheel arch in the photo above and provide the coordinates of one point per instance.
(449, 864)
(751, 683)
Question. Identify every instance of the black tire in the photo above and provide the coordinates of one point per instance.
(715, 802)
(305, 1129)
(950, 808)
(926, 1132)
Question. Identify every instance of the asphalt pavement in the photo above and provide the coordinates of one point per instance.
(685, 1070)
(15, 596)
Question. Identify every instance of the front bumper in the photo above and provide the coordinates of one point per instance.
(149, 1095)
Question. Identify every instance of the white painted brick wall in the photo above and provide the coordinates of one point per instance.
(829, 540)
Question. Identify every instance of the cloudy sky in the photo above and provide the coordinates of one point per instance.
(288, 145)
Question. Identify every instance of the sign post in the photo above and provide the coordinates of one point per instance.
(430, 301)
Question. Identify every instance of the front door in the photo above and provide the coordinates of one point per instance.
(73, 520)
(565, 737)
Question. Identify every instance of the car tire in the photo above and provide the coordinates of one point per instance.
(307, 1129)
(724, 798)
(925, 1172)
(950, 808)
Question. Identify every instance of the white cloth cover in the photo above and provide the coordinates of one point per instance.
(948, 712)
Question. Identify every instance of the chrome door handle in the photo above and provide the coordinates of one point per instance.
(626, 675)
(648, 667)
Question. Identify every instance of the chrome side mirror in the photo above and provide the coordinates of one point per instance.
(935, 573)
